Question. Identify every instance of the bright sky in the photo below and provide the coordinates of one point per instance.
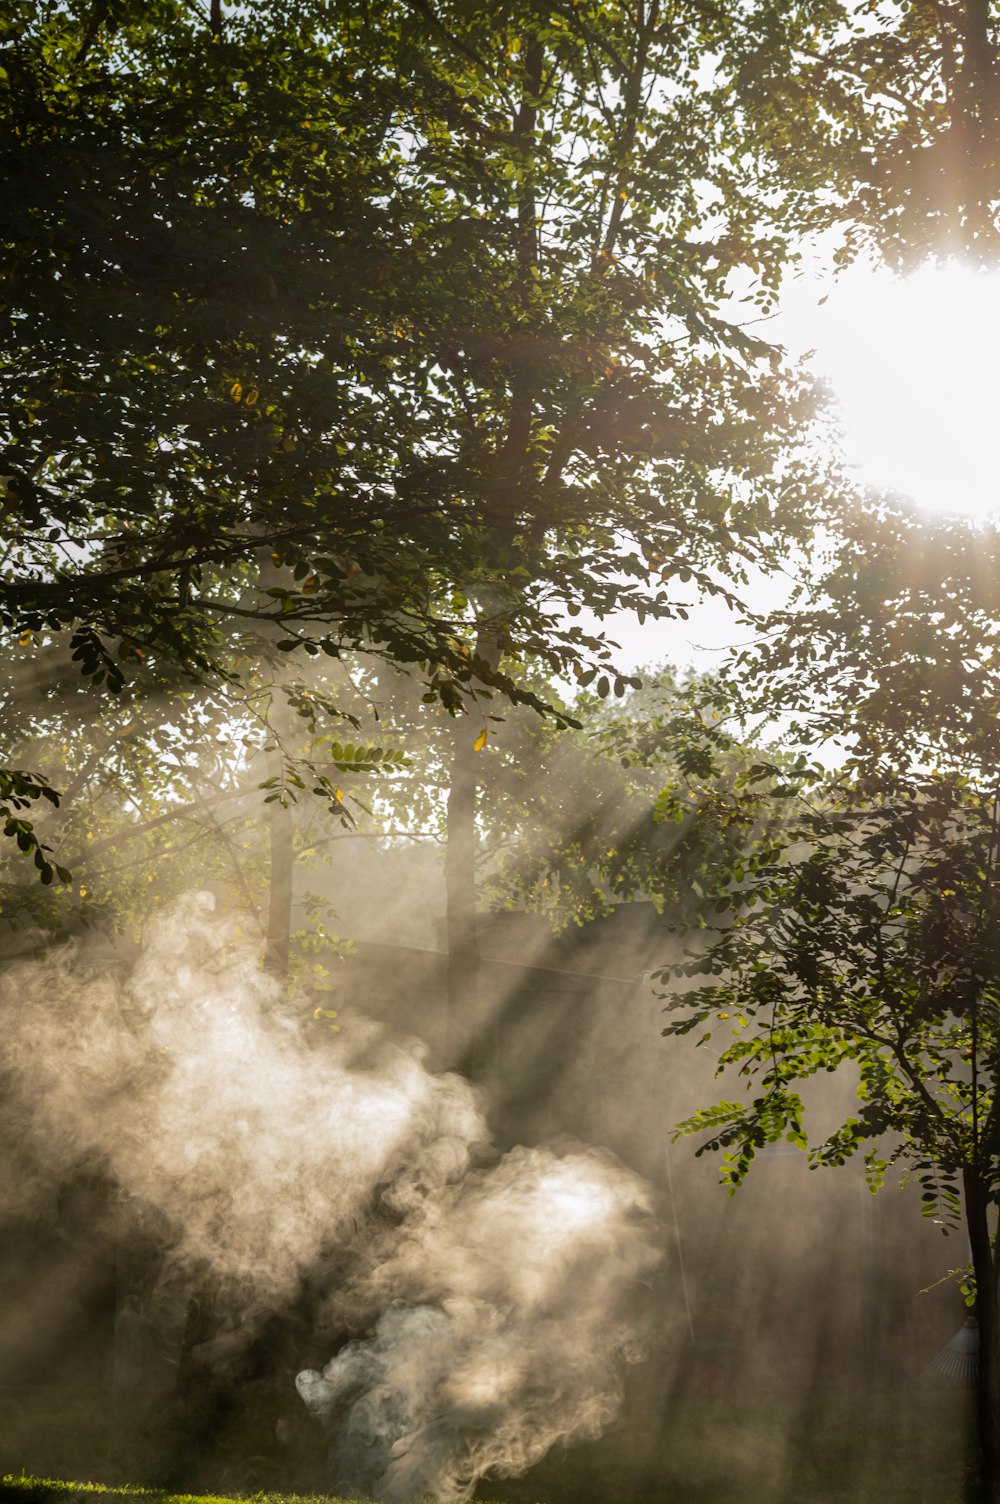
(914, 367)
(913, 363)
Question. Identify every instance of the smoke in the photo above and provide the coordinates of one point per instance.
(513, 1319)
(503, 1302)
(200, 1097)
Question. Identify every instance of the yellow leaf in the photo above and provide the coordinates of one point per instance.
(338, 794)
(252, 396)
(480, 741)
(24, 639)
(236, 391)
(83, 891)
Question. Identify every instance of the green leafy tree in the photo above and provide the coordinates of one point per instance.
(877, 122)
(863, 937)
(638, 801)
(604, 430)
(895, 641)
(428, 306)
(154, 783)
(428, 301)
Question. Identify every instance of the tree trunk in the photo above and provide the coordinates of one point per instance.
(988, 1383)
(468, 1045)
(468, 1029)
(460, 898)
(279, 814)
(279, 904)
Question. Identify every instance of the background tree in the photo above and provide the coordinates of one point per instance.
(895, 637)
(169, 785)
(890, 106)
(629, 807)
(862, 934)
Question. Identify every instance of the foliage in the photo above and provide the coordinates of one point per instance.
(409, 310)
(163, 787)
(425, 304)
(875, 121)
(865, 934)
(894, 643)
(18, 792)
(571, 819)
(147, 802)
(639, 805)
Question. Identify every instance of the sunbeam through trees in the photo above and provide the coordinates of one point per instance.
(373, 924)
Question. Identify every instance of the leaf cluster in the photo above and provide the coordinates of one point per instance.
(867, 935)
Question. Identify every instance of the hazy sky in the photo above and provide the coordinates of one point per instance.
(912, 363)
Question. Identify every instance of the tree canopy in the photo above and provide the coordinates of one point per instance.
(414, 300)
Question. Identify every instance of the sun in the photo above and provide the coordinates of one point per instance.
(914, 363)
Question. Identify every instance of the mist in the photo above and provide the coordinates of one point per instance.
(332, 1262)
(502, 1297)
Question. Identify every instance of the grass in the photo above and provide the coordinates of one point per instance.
(21, 1488)
(24, 1489)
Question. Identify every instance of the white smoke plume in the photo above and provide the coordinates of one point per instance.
(202, 1098)
(513, 1319)
(503, 1303)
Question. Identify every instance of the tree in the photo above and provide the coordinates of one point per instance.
(279, 277)
(896, 640)
(144, 468)
(877, 122)
(358, 294)
(863, 935)
(630, 807)
(381, 415)
(568, 820)
(428, 309)
(611, 426)
(169, 786)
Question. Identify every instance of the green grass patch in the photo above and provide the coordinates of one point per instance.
(23, 1489)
